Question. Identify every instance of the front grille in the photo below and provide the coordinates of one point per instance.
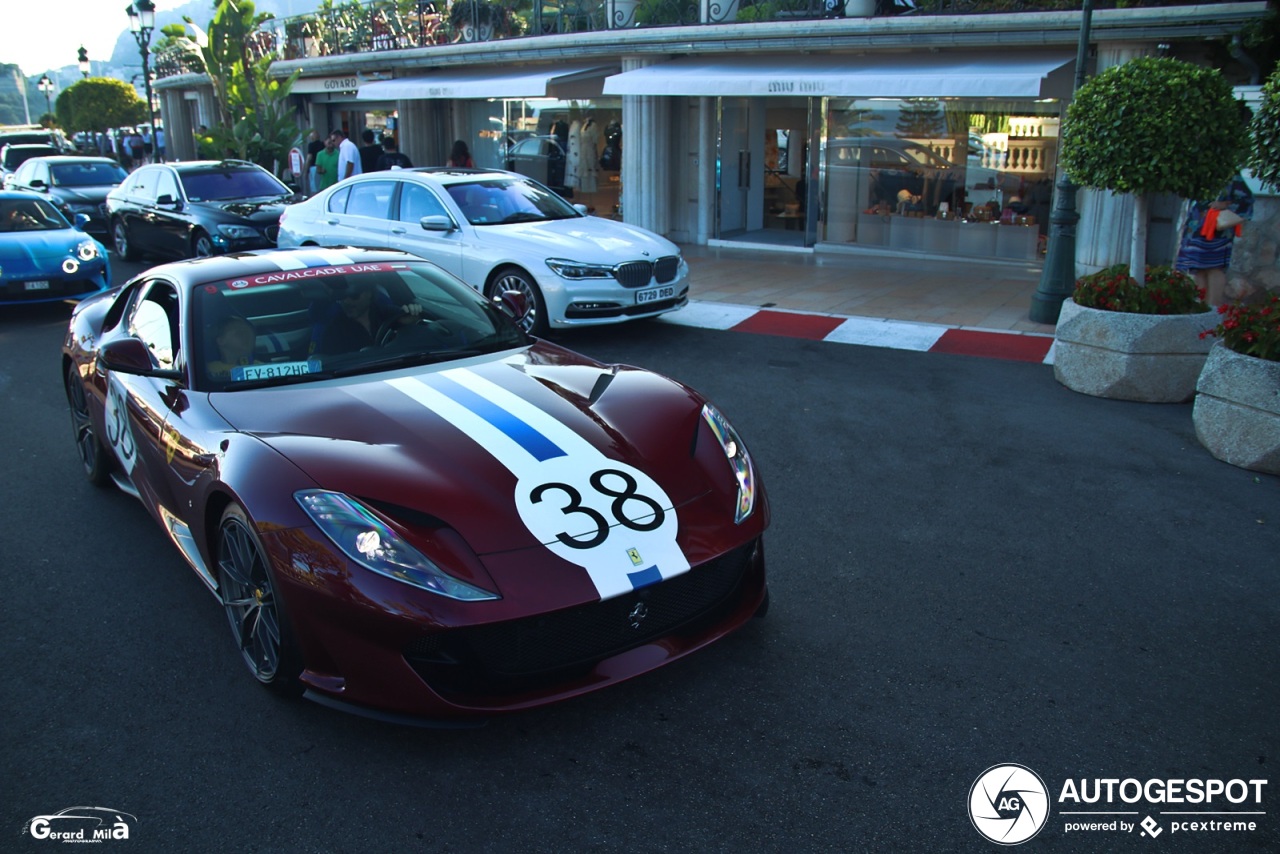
(637, 274)
(516, 652)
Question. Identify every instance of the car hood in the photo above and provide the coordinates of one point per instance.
(82, 195)
(588, 239)
(382, 439)
(26, 252)
(258, 210)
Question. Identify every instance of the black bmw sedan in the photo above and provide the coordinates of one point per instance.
(74, 185)
(196, 209)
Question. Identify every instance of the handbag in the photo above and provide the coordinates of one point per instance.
(1228, 219)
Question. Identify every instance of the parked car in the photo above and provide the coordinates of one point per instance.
(75, 185)
(541, 158)
(453, 520)
(196, 209)
(43, 257)
(498, 231)
(14, 155)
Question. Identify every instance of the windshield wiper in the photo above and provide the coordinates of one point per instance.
(523, 216)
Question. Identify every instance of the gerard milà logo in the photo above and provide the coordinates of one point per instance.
(1008, 804)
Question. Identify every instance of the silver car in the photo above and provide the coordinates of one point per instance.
(498, 231)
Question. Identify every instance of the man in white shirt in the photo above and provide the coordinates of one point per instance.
(348, 156)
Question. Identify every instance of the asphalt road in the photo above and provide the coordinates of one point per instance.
(969, 566)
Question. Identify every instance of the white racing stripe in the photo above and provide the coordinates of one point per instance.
(603, 515)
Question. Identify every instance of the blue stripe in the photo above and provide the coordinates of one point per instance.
(538, 445)
(644, 577)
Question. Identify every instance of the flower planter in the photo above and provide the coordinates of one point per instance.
(1237, 410)
(1154, 358)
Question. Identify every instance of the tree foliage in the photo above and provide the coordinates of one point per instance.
(254, 120)
(1154, 125)
(1264, 134)
(98, 103)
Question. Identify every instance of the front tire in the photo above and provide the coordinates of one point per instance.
(94, 457)
(515, 279)
(248, 591)
(201, 245)
(120, 237)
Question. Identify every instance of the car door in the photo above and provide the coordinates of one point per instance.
(133, 210)
(414, 204)
(167, 217)
(360, 215)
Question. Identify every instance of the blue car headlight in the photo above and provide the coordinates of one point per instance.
(368, 541)
(576, 270)
(237, 232)
(87, 250)
(739, 460)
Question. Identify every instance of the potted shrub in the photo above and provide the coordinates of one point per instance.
(1237, 409)
(1152, 125)
(1120, 339)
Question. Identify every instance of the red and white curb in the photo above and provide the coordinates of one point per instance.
(867, 331)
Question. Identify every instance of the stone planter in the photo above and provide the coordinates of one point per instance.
(1237, 410)
(1153, 358)
(859, 8)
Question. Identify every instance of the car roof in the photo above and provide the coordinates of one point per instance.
(204, 165)
(447, 175)
(198, 271)
(76, 158)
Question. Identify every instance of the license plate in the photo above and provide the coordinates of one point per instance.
(655, 294)
(38, 285)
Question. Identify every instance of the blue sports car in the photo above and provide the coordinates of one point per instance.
(43, 258)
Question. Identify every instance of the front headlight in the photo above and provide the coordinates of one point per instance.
(739, 460)
(576, 270)
(87, 250)
(237, 232)
(369, 542)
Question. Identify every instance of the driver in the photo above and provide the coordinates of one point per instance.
(20, 218)
(236, 340)
(352, 321)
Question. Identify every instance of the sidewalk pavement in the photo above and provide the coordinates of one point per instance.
(977, 307)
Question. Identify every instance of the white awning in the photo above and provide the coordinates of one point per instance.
(900, 75)
(529, 82)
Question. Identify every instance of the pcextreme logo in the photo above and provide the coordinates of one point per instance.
(1009, 804)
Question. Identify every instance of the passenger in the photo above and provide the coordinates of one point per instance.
(236, 340)
(351, 322)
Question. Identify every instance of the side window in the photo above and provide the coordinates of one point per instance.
(416, 201)
(23, 174)
(371, 198)
(167, 185)
(143, 188)
(40, 172)
(338, 201)
(154, 321)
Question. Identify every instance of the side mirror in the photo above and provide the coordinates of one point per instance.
(168, 201)
(582, 209)
(81, 221)
(436, 222)
(130, 356)
(37, 184)
(514, 303)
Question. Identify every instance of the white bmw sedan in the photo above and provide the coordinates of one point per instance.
(498, 231)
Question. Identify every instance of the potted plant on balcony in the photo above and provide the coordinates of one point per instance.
(1152, 125)
(1237, 408)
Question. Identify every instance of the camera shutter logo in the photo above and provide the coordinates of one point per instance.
(1008, 804)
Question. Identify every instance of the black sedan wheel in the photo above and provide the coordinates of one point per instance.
(201, 245)
(94, 458)
(249, 597)
(515, 279)
(120, 237)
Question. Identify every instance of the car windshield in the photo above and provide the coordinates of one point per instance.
(499, 201)
(298, 326)
(29, 215)
(227, 183)
(15, 156)
(87, 174)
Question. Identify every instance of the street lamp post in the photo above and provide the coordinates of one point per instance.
(45, 85)
(142, 21)
(1057, 278)
(84, 62)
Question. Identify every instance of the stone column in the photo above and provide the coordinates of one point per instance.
(179, 144)
(646, 156)
(704, 168)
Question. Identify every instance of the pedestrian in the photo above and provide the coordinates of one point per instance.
(348, 155)
(315, 145)
(148, 149)
(135, 144)
(391, 158)
(460, 157)
(159, 145)
(1208, 236)
(369, 152)
(327, 164)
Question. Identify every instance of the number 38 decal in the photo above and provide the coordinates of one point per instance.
(651, 517)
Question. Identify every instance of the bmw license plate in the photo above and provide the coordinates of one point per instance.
(655, 294)
(38, 285)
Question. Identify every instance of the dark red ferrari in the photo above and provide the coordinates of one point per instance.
(407, 507)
